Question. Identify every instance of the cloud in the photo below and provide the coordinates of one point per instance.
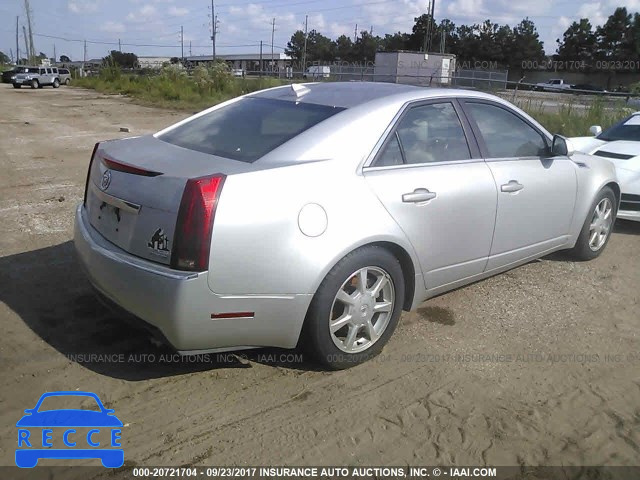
(112, 27)
(178, 11)
(143, 14)
(82, 6)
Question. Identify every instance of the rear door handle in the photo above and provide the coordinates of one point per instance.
(512, 187)
(419, 195)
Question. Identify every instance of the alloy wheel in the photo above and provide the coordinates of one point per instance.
(362, 309)
(601, 223)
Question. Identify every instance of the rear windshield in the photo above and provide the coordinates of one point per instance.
(249, 128)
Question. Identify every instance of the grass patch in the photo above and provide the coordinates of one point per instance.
(172, 88)
(573, 119)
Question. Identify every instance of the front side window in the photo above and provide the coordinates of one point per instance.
(505, 134)
(427, 134)
(249, 128)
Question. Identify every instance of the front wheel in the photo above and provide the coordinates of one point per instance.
(16, 85)
(56, 83)
(35, 84)
(597, 228)
(356, 308)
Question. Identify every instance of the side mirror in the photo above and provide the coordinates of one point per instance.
(595, 130)
(562, 147)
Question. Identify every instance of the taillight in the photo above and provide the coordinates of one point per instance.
(86, 185)
(192, 238)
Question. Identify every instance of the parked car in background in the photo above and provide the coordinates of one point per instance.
(37, 77)
(64, 75)
(553, 85)
(7, 75)
(318, 71)
(619, 144)
(316, 213)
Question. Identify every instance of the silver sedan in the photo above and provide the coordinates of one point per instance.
(316, 213)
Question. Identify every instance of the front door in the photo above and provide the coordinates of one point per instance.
(536, 192)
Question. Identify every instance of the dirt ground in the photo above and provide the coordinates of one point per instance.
(538, 366)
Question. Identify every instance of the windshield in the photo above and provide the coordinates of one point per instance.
(628, 129)
(249, 128)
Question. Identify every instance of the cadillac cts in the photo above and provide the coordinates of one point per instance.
(317, 213)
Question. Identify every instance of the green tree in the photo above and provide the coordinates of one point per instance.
(366, 47)
(418, 38)
(578, 42)
(395, 42)
(344, 48)
(295, 46)
(615, 38)
(4, 58)
(121, 59)
(526, 45)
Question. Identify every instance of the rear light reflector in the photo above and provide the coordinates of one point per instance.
(123, 167)
(192, 238)
(86, 185)
(220, 316)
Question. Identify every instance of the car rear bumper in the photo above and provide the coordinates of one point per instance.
(181, 304)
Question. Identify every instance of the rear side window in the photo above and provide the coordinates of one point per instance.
(506, 135)
(63, 71)
(249, 128)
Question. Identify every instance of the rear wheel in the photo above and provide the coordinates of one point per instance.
(597, 228)
(16, 85)
(35, 83)
(356, 308)
(56, 83)
(67, 81)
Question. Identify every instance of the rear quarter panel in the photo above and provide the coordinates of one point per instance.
(257, 245)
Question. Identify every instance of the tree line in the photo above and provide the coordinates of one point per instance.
(500, 46)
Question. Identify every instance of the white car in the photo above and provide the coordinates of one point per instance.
(621, 145)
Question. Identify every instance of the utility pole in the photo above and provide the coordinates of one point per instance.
(273, 31)
(355, 34)
(182, 42)
(260, 58)
(304, 52)
(26, 44)
(84, 57)
(54, 53)
(17, 41)
(11, 53)
(214, 28)
(32, 48)
(371, 31)
(429, 32)
(119, 45)
(190, 54)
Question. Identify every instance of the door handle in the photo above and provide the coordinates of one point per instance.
(512, 187)
(419, 195)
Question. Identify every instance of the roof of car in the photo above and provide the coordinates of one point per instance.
(352, 94)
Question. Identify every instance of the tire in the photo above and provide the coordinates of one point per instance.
(364, 336)
(67, 82)
(35, 84)
(16, 85)
(56, 83)
(597, 228)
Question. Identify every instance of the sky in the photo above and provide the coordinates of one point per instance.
(152, 27)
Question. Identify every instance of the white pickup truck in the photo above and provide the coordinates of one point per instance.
(553, 85)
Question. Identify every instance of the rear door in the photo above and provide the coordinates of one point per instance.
(439, 190)
(536, 192)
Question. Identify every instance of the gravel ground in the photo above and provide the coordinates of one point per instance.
(538, 366)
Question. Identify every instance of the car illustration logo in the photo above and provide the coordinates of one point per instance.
(85, 434)
(106, 180)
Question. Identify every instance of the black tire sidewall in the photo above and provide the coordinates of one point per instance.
(582, 251)
(35, 84)
(316, 335)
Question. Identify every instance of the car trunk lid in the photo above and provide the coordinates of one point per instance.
(135, 187)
